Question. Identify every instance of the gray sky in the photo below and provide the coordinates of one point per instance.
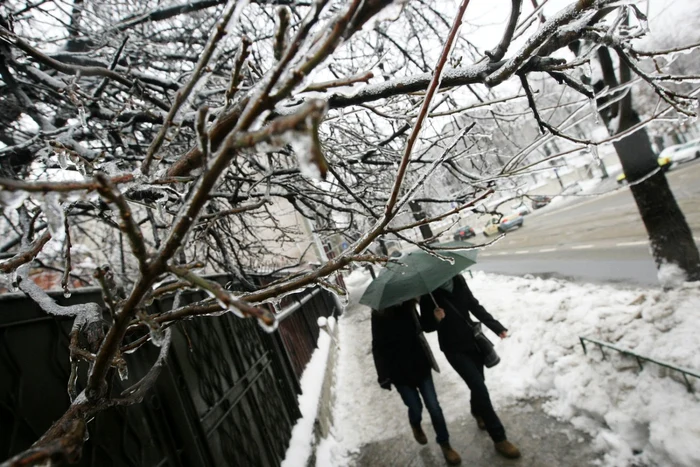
(676, 20)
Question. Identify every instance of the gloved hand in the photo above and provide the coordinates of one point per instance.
(386, 384)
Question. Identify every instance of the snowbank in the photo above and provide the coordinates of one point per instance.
(635, 417)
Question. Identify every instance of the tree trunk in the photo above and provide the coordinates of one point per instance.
(669, 235)
(419, 215)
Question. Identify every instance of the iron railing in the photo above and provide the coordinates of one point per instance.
(640, 359)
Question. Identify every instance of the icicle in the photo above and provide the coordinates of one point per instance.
(593, 150)
(590, 71)
(160, 210)
(123, 371)
(594, 109)
(81, 168)
(83, 119)
(62, 161)
(11, 200)
(157, 335)
(14, 283)
(55, 216)
(268, 328)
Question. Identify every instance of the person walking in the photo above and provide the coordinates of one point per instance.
(447, 310)
(401, 359)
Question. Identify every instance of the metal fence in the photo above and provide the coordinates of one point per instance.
(640, 358)
(226, 397)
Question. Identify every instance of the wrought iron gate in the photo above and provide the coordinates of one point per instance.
(227, 396)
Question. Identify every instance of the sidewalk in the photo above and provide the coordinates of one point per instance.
(543, 441)
(377, 425)
(546, 390)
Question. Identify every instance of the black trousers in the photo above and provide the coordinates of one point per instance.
(471, 368)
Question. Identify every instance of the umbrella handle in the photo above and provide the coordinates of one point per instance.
(434, 301)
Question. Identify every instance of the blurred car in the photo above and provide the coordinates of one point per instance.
(463, 233)
(521, 209)
(682, 152)
(572, 189)
(509, 222)
(540, 201)
(663, 161)
(391, 247)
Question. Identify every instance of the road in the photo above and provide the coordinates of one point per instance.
(597, 238)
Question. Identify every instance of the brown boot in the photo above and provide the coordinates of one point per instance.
(507, 449)
(450, 454)
(419, 434)
(480, 422)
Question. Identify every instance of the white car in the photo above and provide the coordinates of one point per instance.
(521, 209)
(682, 152)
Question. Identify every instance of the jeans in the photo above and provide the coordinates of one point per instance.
(410, 397)
(471, 368)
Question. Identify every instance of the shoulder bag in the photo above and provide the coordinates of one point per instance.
(483, 344)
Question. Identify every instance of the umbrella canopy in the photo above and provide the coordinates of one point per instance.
(416, 274)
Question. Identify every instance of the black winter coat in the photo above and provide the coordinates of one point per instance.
(398, 355)
(454, 334)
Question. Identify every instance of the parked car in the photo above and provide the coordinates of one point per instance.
(463, 233)
(540, 201)
(506, 223)
(682, 152)
(663, 161)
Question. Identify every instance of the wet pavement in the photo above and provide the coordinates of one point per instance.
(543, 442)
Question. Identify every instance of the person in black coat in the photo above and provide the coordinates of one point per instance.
(401, 360)
(447, 311)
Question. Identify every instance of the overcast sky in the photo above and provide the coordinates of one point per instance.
(669, 19)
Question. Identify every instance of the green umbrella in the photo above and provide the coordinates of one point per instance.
(416, 274)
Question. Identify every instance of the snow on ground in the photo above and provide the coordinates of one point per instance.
(645, 418)
(311, 383)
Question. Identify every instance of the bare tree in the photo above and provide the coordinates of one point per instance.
(670, 237)
(144, 146)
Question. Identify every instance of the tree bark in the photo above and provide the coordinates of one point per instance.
(670, 236)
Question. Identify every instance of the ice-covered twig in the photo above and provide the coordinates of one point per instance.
(232, 6)
(26, 254)
(443, 215)
(60, 187)
(236, 78)
(568, 14)
(84, 312)
(136, 392)
(497, 54)
(225, 299)
(425, 107)
(66, 255)
(79, 70)
(128, 225)
(324, 86)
